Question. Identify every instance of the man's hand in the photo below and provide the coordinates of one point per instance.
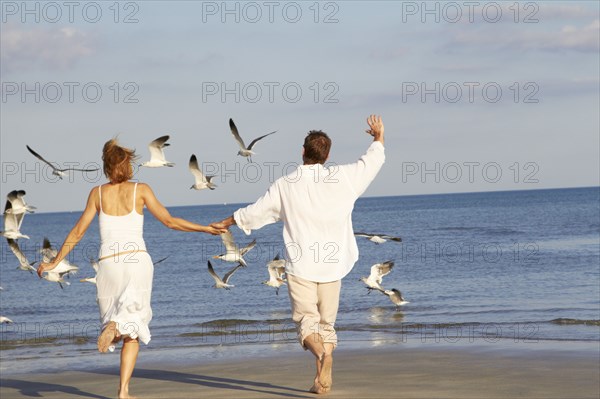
(376, 127)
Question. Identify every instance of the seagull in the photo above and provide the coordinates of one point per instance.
(18, 204)
(12, 223)
(396, 297)
(157, 155)
(245, 151)
(5, 320)
(201, 180)
(233, 254)
(55, 171)
(56, 277)
(378, 271)
(24, 264)
(378, 238)
(64, 266)
(276, 269)
(224, 282)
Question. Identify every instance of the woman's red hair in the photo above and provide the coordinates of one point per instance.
(118, 161)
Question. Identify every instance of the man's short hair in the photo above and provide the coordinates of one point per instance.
(316, 147)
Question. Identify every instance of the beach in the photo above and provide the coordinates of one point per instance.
(495, 371)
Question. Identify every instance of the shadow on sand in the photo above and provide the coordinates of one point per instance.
(41, 389)
(35, 389)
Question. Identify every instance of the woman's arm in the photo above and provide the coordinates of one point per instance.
(76, 233)
(162, 214)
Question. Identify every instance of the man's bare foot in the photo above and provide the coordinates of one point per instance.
(325, 378)
(107, 336)
(317, 388)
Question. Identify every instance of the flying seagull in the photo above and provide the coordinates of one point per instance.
(56, 171)
(202, 181)
(5, 320)
(396, 297)
(64, 266)
(378, 271)
(234, 254)
(276, 269)
(18, 204)
(157, 155)
(378, 238)
(24, 264)
(56, 277)
(245, 151)
(222, 283)
(12, 223)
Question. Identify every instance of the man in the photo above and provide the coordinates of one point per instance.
(315, 204)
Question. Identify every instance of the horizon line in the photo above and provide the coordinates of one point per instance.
(371, 196)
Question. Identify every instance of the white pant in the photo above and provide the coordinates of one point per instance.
(314, 307)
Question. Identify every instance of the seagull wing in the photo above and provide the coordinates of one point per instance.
(228, 275)
(195, 169)
(95, 265)
(386, 237)
(47, 251)
(363, 234)
(7, 206)
(156, 148)
(259, 138)
(247, 248)
(19, 220)
(213, 274)
(236, 135)
(273, 273)
(385, 268)
(160, 260)
(38, 156)
(10, 219)
(276, 268)
(14, 247)
(79, 170)
(228, 241)
(12, 197)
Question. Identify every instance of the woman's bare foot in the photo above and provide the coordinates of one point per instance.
(108, 335)
(325, 379)
(125, 395)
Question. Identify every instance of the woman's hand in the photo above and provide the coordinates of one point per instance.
(215, 230)
(45, 267)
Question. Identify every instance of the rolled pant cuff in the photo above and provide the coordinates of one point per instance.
(327, 333)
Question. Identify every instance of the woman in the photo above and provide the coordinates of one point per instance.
(124, 280)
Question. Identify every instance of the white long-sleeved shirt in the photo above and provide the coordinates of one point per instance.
(315, 204)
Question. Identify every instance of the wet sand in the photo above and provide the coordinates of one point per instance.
(391, 372)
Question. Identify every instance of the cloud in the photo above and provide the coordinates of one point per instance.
(568, 38)
(55, 48)
(562, 12)
(389, 54)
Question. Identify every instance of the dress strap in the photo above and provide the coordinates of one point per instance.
(100, 194)
(134, 191)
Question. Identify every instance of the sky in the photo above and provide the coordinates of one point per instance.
(475, 96)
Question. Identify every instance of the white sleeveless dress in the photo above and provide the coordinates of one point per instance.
(124, 282)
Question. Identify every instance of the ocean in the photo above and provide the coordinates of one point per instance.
(477, 268)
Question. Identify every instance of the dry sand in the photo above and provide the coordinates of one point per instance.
(392, 372)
